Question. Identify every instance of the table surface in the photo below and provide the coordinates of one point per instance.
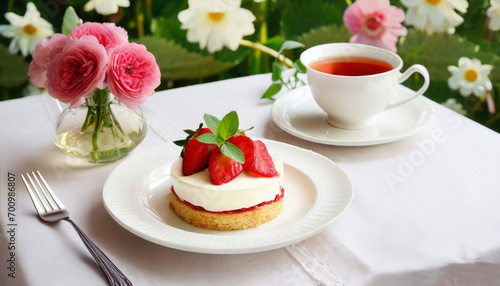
(426, 209)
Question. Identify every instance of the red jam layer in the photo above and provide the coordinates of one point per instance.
(198, 208)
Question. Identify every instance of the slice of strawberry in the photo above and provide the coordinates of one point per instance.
(222, 169)
(263, 165)
(246, 146)
(196, 154)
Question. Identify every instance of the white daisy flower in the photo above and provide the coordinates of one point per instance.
(435, 15)
(218, 23)
(26, 32)
(106, 7)
(470, 77)
(452, 104)
(494, 15)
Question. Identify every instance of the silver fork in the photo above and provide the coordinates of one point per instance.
(50, 209)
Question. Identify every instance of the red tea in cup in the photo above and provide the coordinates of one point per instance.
(370, 87)
(351, 66)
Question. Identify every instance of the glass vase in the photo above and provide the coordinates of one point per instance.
(101, 130)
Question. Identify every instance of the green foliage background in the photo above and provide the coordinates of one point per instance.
(154, 23)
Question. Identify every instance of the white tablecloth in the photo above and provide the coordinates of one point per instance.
(426, 209)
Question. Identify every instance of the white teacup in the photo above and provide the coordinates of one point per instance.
(353, 101)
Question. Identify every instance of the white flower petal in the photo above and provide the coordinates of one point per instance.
(454, 82)
(465, 91)
(24, 46)
(453, 69)
(215, 41)
(438, 17)
(14, 19)
(216, 33)
(31, 12)
(123, 3)
(494, 24)
(453, 20)
(89, 6)
(9, 31)
(475, 62)
(463, 61)
(411, 3)
(106, 7)
(485, 69)
(14, 46)
(478, 91)
(461, 5)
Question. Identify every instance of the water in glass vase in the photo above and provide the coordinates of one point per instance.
(100, 133)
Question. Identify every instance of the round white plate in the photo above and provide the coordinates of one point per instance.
(137, 196)
(297, 113)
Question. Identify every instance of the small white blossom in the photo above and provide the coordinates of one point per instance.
(494, 15)
(452, 104)
(106, 7)
(215, 24)
(27, 31)
(470, 77)
(435, 15)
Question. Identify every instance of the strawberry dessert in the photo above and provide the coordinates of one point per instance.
(225, 180)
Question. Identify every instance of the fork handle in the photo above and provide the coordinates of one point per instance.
(114, 275)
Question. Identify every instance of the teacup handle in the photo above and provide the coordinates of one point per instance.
(404, 76)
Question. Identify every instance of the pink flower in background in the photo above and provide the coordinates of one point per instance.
(108, 34)
(77, 70)
(43, 53)
(132, 74)
(375, 22)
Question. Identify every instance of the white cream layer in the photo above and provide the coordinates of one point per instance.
(244, 191)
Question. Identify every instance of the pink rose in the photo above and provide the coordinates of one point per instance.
(77, 70)
(108, 34)
(132, 73)
(45, 51)
(375, 22)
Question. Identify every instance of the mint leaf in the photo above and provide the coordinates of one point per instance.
(212, 123)
(228, 126)
(232, 152)
(207, 138)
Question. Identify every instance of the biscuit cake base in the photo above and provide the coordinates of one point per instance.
(226, 221)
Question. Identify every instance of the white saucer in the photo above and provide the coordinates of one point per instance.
(297, 113)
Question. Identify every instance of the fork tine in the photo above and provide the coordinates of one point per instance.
(35, 198)
(54, 202)
(42, 196)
